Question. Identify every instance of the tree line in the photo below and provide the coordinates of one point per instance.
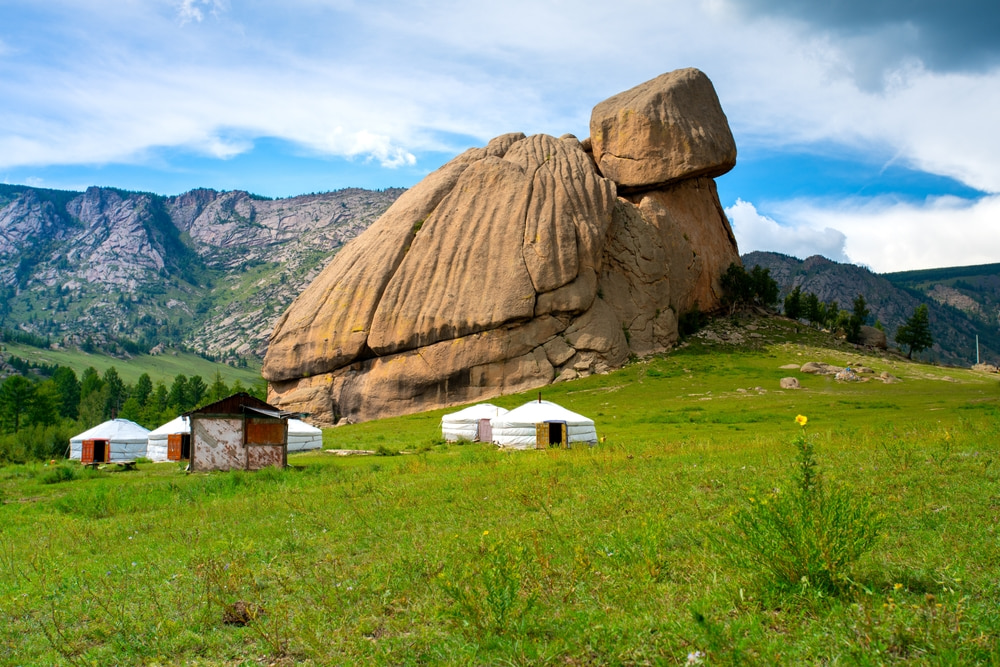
(741, 288)
(39, 414)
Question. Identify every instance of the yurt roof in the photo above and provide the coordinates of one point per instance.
(478, 411)
(114, 429)
(299, 427)
(178, 424)
(540, 411)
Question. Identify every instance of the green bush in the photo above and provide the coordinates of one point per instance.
(807, 535)
(60, 473)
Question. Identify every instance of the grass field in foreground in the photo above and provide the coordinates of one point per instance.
(463, 554)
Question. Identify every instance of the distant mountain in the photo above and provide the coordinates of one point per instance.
(128, 271)
(963, 302)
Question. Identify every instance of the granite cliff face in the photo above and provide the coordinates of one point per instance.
(532, 260)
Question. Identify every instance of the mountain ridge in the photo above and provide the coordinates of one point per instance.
(206, 270)
(963, 302)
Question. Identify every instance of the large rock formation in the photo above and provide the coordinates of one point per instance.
(531, 260)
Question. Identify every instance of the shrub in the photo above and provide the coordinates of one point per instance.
(691, 321)
(807, 535)
(60, 473)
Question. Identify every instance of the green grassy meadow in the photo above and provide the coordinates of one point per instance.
(161, 367)
(464, 554)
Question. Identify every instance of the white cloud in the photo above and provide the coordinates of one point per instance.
(883, 234)
(754, 231)
(900, 236)
(191, 10)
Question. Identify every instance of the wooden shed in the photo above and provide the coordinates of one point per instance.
(238, 433)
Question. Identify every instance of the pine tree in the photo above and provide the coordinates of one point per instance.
(69, 392)
(859, 316)
(793, 303)
(16, 396)
(196, 390)
(117, 393)
(218, 389)
(143, 388)
(177, 399)
(915, 333)
(815, 311)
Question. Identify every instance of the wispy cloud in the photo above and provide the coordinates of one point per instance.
(194, 10)
(884, 234)
(412, 74)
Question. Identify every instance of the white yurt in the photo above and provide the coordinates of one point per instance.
(303, 436)
(542, 424)
(468, 424)
(113, 441)
(158, 442)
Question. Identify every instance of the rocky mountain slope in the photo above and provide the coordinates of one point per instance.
(963, 302)
(128, 271)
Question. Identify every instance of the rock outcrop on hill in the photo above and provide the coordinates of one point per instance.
(531, 260)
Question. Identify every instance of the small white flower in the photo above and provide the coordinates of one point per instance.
(695, 658)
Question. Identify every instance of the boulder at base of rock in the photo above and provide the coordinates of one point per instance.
(872, 337)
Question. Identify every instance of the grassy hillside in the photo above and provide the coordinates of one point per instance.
(463, 554)
(162, 367)
(943, 275)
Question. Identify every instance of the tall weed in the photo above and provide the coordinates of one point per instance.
(493, 592)
(807, 535)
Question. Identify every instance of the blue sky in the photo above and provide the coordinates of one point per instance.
(866, 130)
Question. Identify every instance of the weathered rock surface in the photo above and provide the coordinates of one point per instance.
(820, 368)
(872, 337)
(789, 383)
(664, 130)
(513, 266)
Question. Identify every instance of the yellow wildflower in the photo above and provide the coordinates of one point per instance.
(801, 420)
(897, 586)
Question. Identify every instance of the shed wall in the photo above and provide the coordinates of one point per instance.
(217, 444)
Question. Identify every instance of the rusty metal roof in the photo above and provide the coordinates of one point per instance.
(238, 404)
